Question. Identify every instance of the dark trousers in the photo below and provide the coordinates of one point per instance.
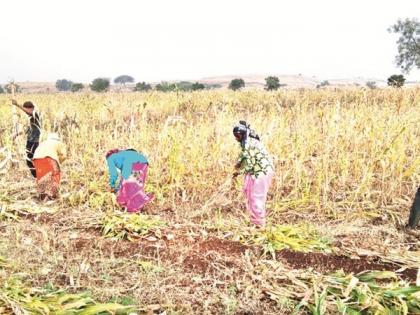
(30, 150)
(415, 211)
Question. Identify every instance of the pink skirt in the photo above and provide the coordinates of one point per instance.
(256, 190)
(131, 194)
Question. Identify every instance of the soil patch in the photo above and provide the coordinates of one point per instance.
(196, 263)
(205, 255)
(208, 255)
(328, 263)
(223, 246)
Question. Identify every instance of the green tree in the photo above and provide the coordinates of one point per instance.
(1, 90)
(63, 85)
(77, 87)
(322, 84)
(272, 83)
(213, 86)
(371, 85)
(165, 87)
(396, 80)
(123, 79)
(142, 86)
(408, 43)
(198, 86)
(184, 86)
(100, 85)
(236, 84)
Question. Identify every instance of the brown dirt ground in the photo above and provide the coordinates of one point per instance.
(204, 255)
(328, 263)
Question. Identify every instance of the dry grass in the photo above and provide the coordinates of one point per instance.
(347, 162)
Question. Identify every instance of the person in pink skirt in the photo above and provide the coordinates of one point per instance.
(132, 166)
(257, 166)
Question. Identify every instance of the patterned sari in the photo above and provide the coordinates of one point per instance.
(47, 177)
(131, 195)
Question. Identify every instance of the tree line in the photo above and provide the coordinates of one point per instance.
(103, 84)
(272, 83)
(408, 57)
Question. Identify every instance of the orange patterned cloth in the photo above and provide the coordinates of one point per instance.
(47, 177)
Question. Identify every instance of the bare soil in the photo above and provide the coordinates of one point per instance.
(202, 255)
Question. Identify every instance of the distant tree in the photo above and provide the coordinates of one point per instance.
(236, 84)
(123, 79)
(142, 86)
(408, 43)
(1, 90)
(8, 88)
(322, 84)
(165, 87)
(272, 83)
(63, 85)
(396, 80)
(99, 85)
(371, 85)
(77, 87)
(198, 86)
(213, 86)
(184, 85)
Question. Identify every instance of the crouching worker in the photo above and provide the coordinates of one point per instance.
(47, 159)
(133, 168)
(256, 164)
(414, 219)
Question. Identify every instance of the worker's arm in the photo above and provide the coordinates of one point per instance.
(238, 166)
(127, 168)
(113, 173)
(27, 111)
(62, 152)
(240, 160)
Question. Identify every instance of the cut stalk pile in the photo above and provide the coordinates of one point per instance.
(377, 292)
(17, 298)
(129, 226)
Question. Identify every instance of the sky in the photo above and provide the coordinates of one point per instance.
(80, 40)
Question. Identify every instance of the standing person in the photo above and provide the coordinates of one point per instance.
(414, 218)
(33, 132)
(255, 162)
(47, 159)
(133, 168)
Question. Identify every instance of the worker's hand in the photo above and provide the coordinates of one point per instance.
(14, 102)
(112, 190)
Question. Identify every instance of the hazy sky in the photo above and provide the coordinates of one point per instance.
(155, 40)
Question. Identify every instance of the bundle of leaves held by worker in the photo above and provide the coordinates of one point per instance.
(18, 298)
(375, 292)
(128, 226)
(303, 238)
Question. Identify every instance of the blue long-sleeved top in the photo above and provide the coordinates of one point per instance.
(123, 161)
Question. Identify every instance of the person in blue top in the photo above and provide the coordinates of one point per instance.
(127, 177)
